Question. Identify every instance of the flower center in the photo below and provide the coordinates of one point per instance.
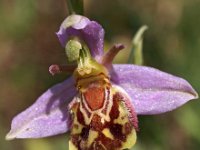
(89, 71)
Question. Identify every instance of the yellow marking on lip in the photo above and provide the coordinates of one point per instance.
(107, 133)
(72, 146)
(77, 129)
(123, 115)
(92, 136)
(130, 140)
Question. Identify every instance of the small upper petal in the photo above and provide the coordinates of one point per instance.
(75, 21)
(152, 91)
(90, 32)
(48, 116)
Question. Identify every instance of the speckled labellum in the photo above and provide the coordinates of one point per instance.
(101, 119)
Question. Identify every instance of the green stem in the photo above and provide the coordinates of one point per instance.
(75, 6)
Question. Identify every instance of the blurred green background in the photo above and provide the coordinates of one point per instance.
(28, 46)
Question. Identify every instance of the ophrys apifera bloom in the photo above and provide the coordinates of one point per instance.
(99, 103)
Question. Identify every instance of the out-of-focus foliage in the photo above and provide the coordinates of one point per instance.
(28, 46)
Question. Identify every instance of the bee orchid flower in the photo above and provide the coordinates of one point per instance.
(99, 104)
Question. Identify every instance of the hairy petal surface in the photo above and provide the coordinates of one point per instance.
(152, 91)
(90, 32)
(48, 116)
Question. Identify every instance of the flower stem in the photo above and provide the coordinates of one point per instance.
(75, 6)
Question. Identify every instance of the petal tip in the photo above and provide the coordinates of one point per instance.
(191, 90)
(10, 136)
(195, 94)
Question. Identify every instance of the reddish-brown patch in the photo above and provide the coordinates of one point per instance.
(96, 123)
(114, 113)
(85, 133)
(116, 130)
(94, 97)
(80, 117)
(108, 143)
(128, 128)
